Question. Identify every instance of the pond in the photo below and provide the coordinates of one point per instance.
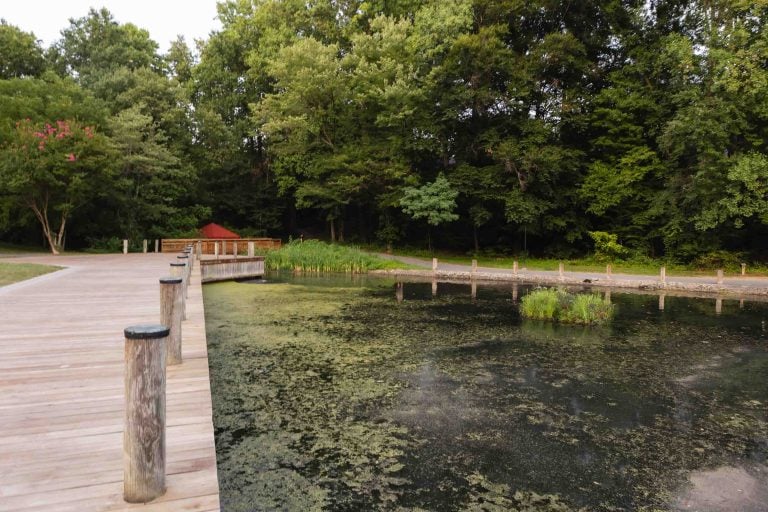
(365, 394)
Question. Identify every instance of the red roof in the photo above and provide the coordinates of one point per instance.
(215, 231)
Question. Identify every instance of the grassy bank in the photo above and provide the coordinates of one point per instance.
(317, 256)
(15, 272)
(560, 306)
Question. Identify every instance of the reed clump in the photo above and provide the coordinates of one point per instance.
(570, 308)
(318, 256)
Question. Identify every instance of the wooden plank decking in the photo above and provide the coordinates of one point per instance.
(61, 388)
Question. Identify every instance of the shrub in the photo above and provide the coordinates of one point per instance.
(554, 305)
(718, 259)
(607, 246)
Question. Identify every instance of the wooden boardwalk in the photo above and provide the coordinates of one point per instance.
(61, 388)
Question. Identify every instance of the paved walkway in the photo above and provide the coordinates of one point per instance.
(747, 284)
(61, 388)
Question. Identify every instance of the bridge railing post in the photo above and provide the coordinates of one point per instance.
(144, 430)
(170, 315)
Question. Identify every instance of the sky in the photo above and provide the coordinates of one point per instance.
(164, 19)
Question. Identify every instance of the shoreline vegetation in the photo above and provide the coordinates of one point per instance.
(318, 256)
(568, 308)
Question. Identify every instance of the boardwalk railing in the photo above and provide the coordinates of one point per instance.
(233, 268)
(210, 245)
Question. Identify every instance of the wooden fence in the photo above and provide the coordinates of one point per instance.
(232, 268)
(209, 245)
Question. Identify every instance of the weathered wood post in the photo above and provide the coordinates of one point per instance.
(473, 290)
(514, 293)
(399, 292)
(216, 249)
(663, 275)
(741, 303)
(170, 316)
(743, 269)
(177, 270)
(144, 248)
(661, 302)
(199, 250)
(251, 249)
(434, 287)
(514, 267)
(561, 271)
(608, 271)
(157, 245)
(144, 432)
(125, 246)
(234, 249)
(183, 258)
(223, 247)
(720, 277)
(434, 264)
(718, 306)
(474, 266)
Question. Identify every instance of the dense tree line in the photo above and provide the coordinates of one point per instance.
(513, 126)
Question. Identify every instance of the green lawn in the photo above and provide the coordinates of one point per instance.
(576, 265)
(14, 272)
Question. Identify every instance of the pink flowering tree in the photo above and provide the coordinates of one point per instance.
(52, 168)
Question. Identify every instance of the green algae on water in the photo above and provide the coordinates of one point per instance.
(335, 396)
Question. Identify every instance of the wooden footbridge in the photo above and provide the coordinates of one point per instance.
(62, 391)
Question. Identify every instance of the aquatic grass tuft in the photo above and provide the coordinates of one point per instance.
(557, 305)
(317, 256)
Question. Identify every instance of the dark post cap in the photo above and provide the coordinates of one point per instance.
(182, 257)
(178, 264)
(170, 280)
(146, 332)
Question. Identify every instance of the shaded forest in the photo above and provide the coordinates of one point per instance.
(485, 125)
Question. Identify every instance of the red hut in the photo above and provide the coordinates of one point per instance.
(217, 232)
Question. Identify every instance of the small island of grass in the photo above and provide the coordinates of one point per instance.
(561, 306)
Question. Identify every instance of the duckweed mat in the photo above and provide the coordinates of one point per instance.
(362, 394)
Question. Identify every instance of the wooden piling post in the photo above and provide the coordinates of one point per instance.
(608, 271)
(514, 267)
(434, 287)
(144, 432)
(216, 249)
(144, 247)
(434, 264)
(473, 290)
(399, 292)
(125, 246)
(170, 316)
(474, 266)
(514, 293)
(183, 258)
(177, 270)
(561, 271)
(157, 245)
(718, 306)
(720, 277)
(663, 275)
(661, 302)
(199, 250)
(743, 269)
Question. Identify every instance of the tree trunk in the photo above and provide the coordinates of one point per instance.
(333, 230)
(42, 215)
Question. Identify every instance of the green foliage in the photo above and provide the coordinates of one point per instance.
(541, 304)
(434, 202)
(607, 246)
(20, 53)
(557, 305)
(317, 256)
(719, 260)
